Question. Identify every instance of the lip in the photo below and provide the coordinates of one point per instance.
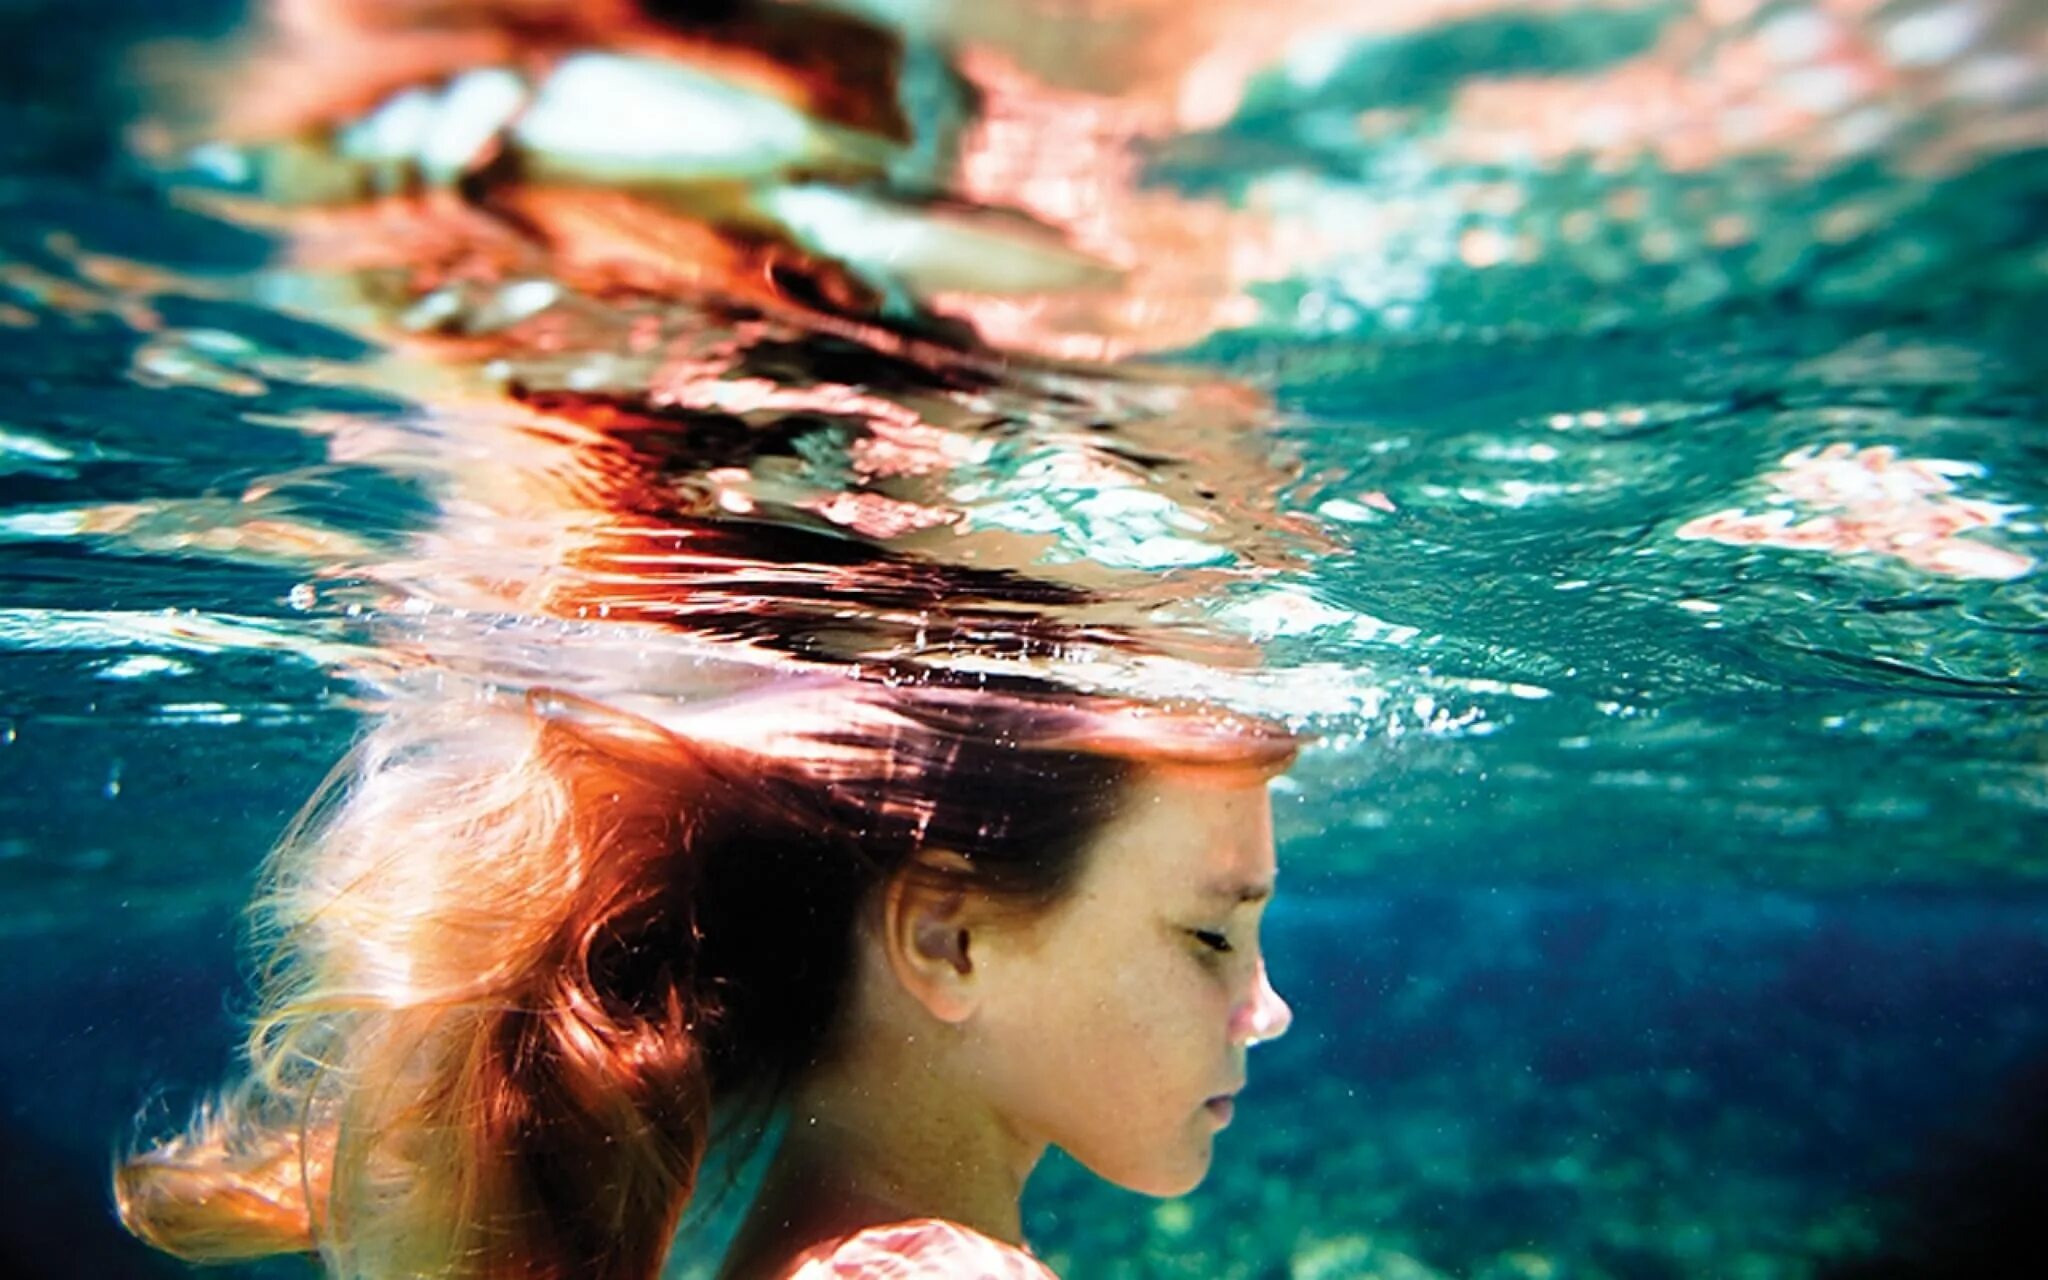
(1221, 1108)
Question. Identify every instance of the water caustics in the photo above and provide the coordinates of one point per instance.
(1624, 401)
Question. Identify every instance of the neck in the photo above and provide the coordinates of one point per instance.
(882, 1141)
(884, 1137)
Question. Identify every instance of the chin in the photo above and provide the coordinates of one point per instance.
(1174, 1188)
(1162, 1180)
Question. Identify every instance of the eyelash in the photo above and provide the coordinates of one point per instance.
(1213, 940)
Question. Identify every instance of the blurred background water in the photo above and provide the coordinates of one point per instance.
(1619, 426)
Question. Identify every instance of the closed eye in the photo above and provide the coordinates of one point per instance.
(1213, 940)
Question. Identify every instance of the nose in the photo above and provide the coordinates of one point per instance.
(1265, 1016)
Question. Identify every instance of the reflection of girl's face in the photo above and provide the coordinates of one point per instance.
(1116, 1023)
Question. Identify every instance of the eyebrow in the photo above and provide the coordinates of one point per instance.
(1239, 891)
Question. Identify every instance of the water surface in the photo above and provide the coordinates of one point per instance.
(1614, 429)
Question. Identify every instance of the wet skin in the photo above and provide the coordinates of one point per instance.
(1114, 1025)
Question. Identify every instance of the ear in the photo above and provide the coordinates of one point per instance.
(928, 928)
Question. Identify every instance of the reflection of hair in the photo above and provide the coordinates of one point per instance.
(527, 949)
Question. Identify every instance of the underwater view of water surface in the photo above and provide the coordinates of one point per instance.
(1615, 430)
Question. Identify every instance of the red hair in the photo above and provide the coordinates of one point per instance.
(520, 954)
(517, 955)
(435, 1073)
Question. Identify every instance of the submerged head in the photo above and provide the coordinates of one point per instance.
(535, 950)
(1112, 1021)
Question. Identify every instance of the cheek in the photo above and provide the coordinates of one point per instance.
(1161, 1026)
(1114, 1068)
(1136, 1117)
(1131, 1035)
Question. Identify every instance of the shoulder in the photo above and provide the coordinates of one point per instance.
(924, 1249)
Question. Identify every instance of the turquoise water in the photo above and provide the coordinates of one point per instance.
(1629, 462)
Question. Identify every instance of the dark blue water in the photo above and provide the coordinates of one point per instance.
(1656, 905)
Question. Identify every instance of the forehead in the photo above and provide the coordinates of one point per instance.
(1186, 829)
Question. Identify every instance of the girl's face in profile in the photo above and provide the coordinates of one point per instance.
(1117, 1022)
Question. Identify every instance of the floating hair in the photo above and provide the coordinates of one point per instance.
(474, 1056)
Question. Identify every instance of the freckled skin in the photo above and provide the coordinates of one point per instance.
(1108, 1024)
(1104, 1025)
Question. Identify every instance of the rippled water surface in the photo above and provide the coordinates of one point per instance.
(1614, 428)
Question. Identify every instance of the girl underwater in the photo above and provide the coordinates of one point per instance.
(539, 950)
(557, 932)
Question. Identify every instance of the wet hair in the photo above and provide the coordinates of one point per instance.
(525, 951)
